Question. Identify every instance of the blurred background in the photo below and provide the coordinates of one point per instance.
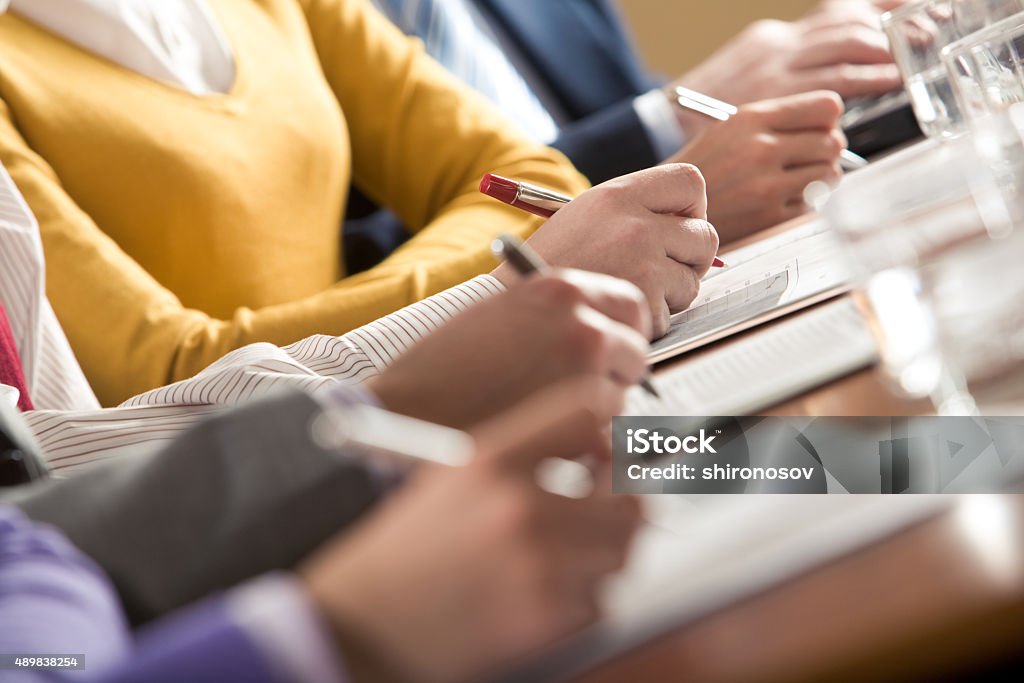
(660, 27)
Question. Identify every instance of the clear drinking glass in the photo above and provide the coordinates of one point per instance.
(918, 33)
(984, 68)
(975, 296)
(975, 290)
(897, 217)
(987, 78)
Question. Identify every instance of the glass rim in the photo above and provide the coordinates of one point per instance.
(1011, 24)
(900, 13)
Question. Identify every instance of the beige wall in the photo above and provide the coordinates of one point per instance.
(674, 34)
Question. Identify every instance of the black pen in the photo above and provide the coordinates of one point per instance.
(526, 261)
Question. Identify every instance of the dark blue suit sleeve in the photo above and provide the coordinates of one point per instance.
(608, 143)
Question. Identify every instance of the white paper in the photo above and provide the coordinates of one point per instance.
(754, 372)
(763, 279)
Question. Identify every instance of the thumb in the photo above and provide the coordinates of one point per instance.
(670, 189)
(567, 420)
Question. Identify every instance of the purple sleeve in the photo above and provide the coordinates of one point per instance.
(202, 644)
(54, 600)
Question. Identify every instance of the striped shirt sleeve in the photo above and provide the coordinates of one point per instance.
(71, 441)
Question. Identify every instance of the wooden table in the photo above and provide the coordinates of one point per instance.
(943, 597)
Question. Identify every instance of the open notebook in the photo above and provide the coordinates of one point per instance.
(764, 281)
(748, 374)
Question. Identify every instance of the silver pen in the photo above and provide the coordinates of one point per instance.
(723, 111)
(526, 261)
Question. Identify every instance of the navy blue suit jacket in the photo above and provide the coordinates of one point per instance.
(581, 50)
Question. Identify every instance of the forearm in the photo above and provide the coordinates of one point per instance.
(262, 494)
(156, 341)
(72, 442)
(114, 310)
(319, 362)
(131, 334)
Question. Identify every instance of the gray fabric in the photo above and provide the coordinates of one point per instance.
(19, 453)
(240, 494)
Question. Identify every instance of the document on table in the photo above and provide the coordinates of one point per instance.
(704, 553)
(749, 374)
(763, 281)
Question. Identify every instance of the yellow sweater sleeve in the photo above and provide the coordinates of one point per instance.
(420, 145)
(421, 141)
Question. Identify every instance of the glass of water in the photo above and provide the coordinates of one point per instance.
(897, 217)
(975, 295)
(918, 33)
(986, 71)
(975, 292)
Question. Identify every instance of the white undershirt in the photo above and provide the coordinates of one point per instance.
(178, 42)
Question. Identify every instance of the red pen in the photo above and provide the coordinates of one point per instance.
(533, 199)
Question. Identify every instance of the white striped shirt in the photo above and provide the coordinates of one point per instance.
(71, 429)
(52, 374)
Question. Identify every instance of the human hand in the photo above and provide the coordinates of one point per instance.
(878, 6)
(467, 571)
(648, 228)
(840, 47)
(758, 163)
(542, 330)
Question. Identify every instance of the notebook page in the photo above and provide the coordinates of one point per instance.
(755, 372)
(763, 281)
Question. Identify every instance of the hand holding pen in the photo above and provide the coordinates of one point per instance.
(649, 228)
(759, 161)
(526, 261)
(534, 199)
(718, 110)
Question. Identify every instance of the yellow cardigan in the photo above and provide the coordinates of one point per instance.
(178, 227)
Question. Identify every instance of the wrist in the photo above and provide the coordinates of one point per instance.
(389, 394)
(276, 612)
(505, 275)
(363, 663)
(402, 394)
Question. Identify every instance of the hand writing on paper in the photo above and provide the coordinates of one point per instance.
(758, 163)
(466, 571)
(542, 330)
(649, 228)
